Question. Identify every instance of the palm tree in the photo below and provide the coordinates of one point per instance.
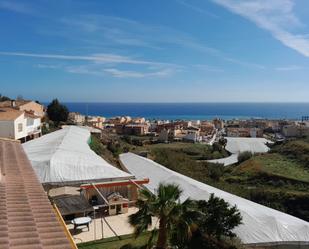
(176, 219)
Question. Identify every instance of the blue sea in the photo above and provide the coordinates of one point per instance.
(194, 111)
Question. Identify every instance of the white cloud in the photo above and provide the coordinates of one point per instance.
(48, 66)
(96, 58)
(196, 8)
(117, 73)
(115, 31)
(134, 74)
(275, 16)
(121, 31)
(289, 68)
(205, 67)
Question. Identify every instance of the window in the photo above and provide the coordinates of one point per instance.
(113, 206)
(20, 127)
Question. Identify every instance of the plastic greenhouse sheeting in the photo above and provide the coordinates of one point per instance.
(261, 225)
(241, 144)
(64, 157)
(236, 145)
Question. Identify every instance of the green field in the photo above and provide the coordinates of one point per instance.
(115, 243)
(194, 151)
(275, 165)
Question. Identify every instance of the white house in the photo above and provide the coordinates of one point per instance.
(16, 124)
(33, 125)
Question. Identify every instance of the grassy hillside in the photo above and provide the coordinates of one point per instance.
(296, 150)
(274, 180)
(193, 151)
(271, 166)
(279, 179)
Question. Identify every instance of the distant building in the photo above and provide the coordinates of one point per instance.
(136, 129)
(218, 123)
(138, 120)
(244, 132)
(192, 136)
(96, 121)
(21, 125)
(132, 129)
(194, 123)
(120, 120)
(295, 130)
(76, 118)
(171, 126)
(208, 128)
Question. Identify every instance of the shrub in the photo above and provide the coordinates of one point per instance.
(215, 170)
(244, 156)
(214, 228)
(220, 218)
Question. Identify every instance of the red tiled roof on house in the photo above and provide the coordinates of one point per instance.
(31, 115)
(27, 219)
(17, 103)
(9, 114)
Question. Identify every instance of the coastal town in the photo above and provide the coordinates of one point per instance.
(202, 131)
(25, 119)
(92, 169)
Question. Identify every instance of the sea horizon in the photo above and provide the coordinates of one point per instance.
(193, 111)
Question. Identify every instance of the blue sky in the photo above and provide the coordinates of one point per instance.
(155, 50)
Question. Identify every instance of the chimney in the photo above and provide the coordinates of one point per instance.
(13, 103)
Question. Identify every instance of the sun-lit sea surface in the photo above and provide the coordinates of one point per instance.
(194, 111)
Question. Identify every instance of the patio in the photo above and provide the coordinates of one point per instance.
(119, 223)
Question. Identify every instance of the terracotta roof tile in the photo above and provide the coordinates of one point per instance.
(18, 103)
(7, 114)
(31, 115)
(27, 219)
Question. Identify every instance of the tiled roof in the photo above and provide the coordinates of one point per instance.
(27, 219)
(8, 114)
(8, 103)
(31, 115)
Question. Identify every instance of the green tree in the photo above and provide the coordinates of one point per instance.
(176, 220)
(57, 112)
(4, 98)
